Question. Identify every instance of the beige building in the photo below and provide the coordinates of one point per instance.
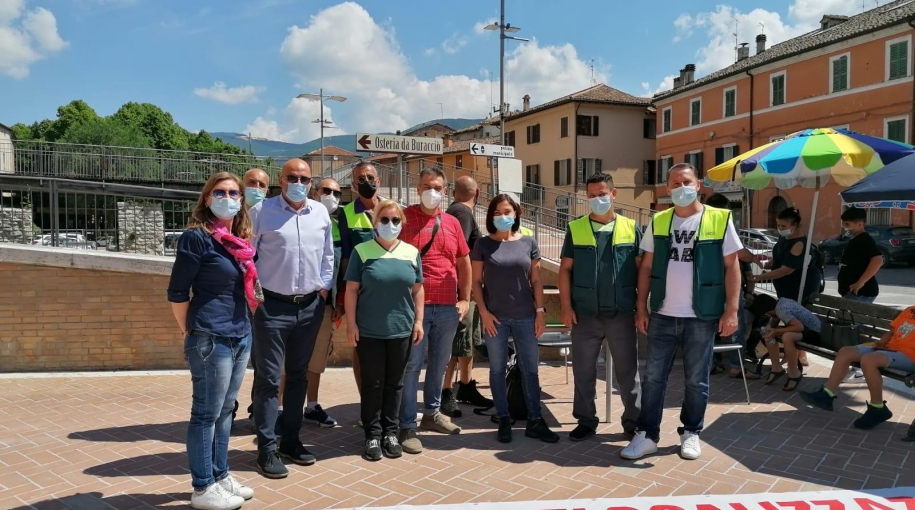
(334, 159)
(6, 150)
(561, 142)
(489, 127)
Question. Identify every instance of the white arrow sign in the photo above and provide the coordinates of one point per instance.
(493, 151)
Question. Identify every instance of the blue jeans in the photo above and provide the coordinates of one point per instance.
(855, 297)
(440, 322)
(527, 354)
(696, 338)
(217, 369)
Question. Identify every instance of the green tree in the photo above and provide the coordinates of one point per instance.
(105, 131)
(156, 124)
(22, 132)
(73, 114)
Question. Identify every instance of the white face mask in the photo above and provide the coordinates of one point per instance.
(330, 202)
(431, 199)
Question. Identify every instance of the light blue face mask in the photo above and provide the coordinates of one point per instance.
(684, 196)
(785, 233)
(297, 192)
(600, 205)
(388, 231)
(225, 208)
(254, 196)
(503, 223)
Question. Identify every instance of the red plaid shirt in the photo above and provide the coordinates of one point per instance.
(440, 263)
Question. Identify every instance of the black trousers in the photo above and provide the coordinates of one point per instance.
(383, 365)
(285, 334)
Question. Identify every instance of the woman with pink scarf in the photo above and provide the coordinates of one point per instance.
(213, 286)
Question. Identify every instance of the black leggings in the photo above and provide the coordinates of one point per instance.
(382, 366)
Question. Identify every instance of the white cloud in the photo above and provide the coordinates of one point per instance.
(297, 123)
(385, 93)
(235, 95)
(718, 27)
(666, 84)
(26, 37)
(454, 44)
(429, 52)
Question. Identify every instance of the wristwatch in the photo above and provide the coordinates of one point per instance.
(541, 310)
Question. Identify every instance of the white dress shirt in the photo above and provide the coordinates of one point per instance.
(295, 249)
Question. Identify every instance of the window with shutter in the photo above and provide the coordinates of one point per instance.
(564, 127)
(556, 181)
(730, 103)
(840, 74)
(598, 166)
(510, 138)
(899, 60)
(649, 172)
(896, 130)
(580, 174)
(649, 128)
(719, 156)
(695, 112)
(778, 89)
(586, 125)
(666, 120)
(596, 126)
(569, 171)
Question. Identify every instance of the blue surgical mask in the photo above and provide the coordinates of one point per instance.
(503, 223)
(684, 195)
(600, 205)
(297, 192)
(225, 208)
(254, 196)
(785, 233)
(388, 231)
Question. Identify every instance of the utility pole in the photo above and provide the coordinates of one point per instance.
(320, 97)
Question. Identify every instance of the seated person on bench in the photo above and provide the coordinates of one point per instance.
(801, 325)
(896, 349)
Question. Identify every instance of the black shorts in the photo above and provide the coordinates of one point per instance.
(809, 336)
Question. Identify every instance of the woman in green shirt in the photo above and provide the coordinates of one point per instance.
(384, 311)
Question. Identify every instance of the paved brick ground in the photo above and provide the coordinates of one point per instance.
(117, 441)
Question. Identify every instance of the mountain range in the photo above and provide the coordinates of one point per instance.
(276, 149)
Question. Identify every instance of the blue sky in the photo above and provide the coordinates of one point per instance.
(236, 66)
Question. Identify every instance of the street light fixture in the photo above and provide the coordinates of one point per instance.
(321, 97)
(502, 27)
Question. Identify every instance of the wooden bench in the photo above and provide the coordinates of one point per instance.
(874, 321)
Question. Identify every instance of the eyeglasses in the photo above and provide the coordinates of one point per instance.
(221, 193)
(293, 179)
(364, 178)
(384, 220)
(329, 191)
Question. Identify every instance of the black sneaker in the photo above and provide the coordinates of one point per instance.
(818, 398)
(390, 447)
(505, 430)
(449, 404)
(468, 394)
(372, 450)
(873, 416)
(271, 466)
(581, 433)
(540, 430)
(319, 417)
(296, 453)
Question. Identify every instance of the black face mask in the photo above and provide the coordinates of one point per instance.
(367, 189)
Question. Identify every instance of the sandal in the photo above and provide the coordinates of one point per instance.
(795, 380)
(774, 376)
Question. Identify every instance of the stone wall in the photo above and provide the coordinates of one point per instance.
(16, 225)
(141, 227)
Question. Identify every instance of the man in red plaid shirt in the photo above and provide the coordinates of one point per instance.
(446, 274)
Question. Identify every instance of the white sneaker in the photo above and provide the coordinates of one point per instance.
(215, 498)
(854, 375)
(639, 447)
(232, 486)
(690, 449)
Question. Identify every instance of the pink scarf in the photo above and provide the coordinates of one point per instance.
(244, 255)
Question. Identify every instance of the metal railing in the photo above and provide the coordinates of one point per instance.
(128, 164)
(92, 215)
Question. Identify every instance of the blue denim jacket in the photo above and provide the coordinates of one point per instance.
(218, 305)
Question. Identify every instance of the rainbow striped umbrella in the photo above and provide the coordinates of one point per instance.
(808, 158)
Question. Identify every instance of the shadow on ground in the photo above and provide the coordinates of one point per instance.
(98, 501)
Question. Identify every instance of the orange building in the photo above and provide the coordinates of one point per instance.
(853, 73)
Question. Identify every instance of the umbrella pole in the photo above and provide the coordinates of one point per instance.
(813, 212)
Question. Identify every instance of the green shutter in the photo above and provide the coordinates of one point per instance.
(778, 90)
(899, 56)
(895, 130)
(730, 103)
(840, 74)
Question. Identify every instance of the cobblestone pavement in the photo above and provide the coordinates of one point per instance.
(98, 441)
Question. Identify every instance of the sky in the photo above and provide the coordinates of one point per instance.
(229, 65)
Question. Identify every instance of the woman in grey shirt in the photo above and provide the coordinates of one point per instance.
(800, 325)
(509, 296)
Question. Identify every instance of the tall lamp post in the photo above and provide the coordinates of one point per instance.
(321, 97)
(502, 27)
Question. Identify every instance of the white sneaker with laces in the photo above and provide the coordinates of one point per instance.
(232, 486)
(215, 497)
(690, 449)
(639, 447)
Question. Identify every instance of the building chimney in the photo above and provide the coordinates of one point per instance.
(743, 52)
(676, 82)
(527, 102)
(689, 74)
(683, 76)
(760, 43)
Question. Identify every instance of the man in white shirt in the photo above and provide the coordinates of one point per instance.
(694, 287)
(295, 262)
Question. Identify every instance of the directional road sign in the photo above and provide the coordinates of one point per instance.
(398, 144)
(495, 151)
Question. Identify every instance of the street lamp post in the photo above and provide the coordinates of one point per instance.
(502, 27)
(321, 97)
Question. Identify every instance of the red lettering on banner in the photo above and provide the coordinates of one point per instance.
(796, 505)
(833, 504)
(738, 506)
(869, 504)
(907, 500)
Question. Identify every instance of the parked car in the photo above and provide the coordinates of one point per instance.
(896, 243)
(759, 243)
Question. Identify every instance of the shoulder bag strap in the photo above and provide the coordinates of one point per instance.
(428, 246)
